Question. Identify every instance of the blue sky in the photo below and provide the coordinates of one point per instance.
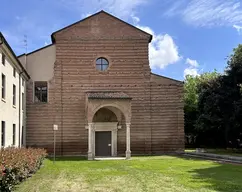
(189, 36)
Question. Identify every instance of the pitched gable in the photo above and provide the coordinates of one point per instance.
(102, 26)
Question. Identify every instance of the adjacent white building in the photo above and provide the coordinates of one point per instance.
(12, 97)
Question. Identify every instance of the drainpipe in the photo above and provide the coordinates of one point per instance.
(19, 109)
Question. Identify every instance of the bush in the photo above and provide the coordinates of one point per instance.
(17, 164)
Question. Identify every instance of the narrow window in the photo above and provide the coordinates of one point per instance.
(3, 134)
(22, 81)
(40, 91)
(14, 133)
(3, 86)
(14, 95)
(14, 72)
(3, 59)
(22, 101)
(22, 136)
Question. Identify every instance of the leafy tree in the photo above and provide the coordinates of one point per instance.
(213, 105)
(191, 95)
(216, 111)
(219, 105)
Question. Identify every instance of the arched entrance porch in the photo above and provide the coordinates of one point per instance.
(104, 114)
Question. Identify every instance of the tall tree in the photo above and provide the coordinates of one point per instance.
(219, 106)
(191, 95)
(216, 111)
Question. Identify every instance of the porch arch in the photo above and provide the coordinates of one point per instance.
(116, 109)
(118, 103)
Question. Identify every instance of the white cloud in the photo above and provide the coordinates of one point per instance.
(191, 62)
(192, 69)
(238, 28)
(120, 8)
(162, 50)
(135, 19)
(207, 12)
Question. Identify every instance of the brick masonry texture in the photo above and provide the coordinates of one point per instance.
(157, 124)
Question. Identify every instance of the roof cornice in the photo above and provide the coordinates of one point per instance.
(4, 41)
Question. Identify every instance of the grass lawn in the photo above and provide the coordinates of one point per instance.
(158, 173)
(219, 151)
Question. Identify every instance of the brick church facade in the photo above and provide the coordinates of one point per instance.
(94, 81)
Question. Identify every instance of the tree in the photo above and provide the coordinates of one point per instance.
(191, 100)
(219, 111)
(216, 111)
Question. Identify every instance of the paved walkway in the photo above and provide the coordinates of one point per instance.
(217, 157)
(109, 158)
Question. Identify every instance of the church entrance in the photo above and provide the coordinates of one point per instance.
(106, 113)
(103, 143)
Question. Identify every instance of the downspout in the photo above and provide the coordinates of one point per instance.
(19, 108)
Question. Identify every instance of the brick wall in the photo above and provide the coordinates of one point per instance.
(157, 114)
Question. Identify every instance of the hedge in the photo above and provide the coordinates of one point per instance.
(17, 164)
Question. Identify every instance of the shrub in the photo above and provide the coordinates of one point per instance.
(17, 164)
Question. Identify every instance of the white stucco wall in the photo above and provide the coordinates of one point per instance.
(9, 113)
(40, 63)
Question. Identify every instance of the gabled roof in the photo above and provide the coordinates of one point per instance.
(52, 35)
(13, 54)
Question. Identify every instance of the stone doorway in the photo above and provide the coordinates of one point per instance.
(104, 113)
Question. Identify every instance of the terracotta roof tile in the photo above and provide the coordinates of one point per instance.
(107, 95)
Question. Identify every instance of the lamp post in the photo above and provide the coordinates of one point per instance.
(55, 128)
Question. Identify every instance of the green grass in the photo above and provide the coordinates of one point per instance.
(154, 174)
(219, 151)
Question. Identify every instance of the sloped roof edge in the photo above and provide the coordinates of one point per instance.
(167, 78)
(14, 55)
(35, 50)
(102, 11)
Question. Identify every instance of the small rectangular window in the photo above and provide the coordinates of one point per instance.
(40, 91)
(14, 134)
(14, 72)
(22, 81)
(3, 59)
(14, 95)
(3, 133)
(3, 86)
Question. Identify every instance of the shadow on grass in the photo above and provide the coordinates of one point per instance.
(68, 158)
(222, 178)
